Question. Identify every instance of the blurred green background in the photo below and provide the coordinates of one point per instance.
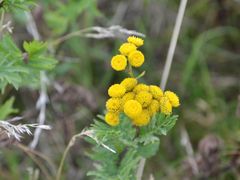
(205, 74)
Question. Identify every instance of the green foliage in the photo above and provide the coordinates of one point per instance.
(129, 163)
(34, 48)
(149, 149)
(159, 125)
(36, 56)
(206, 64)
(123, 133)
(7, 108)
(203, 46)
(18, 68)
(10, 5)
(130, 145)
(65, 13)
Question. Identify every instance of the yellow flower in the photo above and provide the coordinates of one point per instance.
(132, 108)
(156, 92)
(153, 107)
(119, 62)
(129, 83)
(135, 40)
(112, 118)
(136, 58)
(142, 119)
(141, 87)
(114, 104)
(173, 98)
(127, 48)
(165, 105)
(144, 98)
(116, 90)
(128, 96)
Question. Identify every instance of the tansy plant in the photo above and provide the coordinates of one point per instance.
(137, 114)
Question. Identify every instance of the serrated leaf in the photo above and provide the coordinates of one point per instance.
(128, 164)
(34, 47)
(7, 45)
(15, 68)
(42, 63)
(130, 145)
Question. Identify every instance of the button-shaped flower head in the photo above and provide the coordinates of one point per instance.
(136, 58)
(141, 87)
(165, 106)
(116, 90)
(156, 92)
(142, 119)
(173, 98)
(127, 48)
(153, 107)
(112, 118)
(135, 40)
(132, 108)
(128, 96)
(144, 98)
(129, 83)
(114, 104)
(119, 62)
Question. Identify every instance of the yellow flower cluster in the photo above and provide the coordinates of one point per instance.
(129, 53)
(136, 100)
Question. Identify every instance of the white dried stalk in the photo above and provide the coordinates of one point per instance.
(43, 98)
(173, 43)
(32, 27)
(98, 32)
(33, 174)
(167, 66)
(140, 168)
(7, 26)
(18, 130)
(185, 141)
(41, 105)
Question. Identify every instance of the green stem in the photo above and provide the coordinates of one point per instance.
(70, 144)
(140, 75)
(88, 133)
(130, 71)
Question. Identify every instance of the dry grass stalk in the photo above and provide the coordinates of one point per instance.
(18, 130)
(88, 133)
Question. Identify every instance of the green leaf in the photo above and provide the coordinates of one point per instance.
(34, 47)
(62, 15)
(124, 132)
(7, 108)
(129, 165)
(42, 62)
(20, 69)
(165, 123)
(130, 146)
(7, 45)
(149, 150)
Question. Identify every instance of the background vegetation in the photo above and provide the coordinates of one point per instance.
(205, 73)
